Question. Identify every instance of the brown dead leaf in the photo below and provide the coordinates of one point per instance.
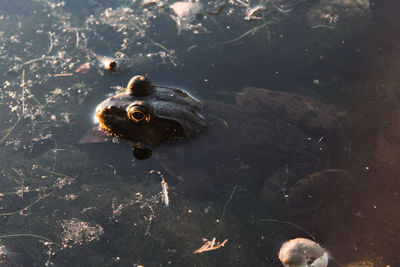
(84, 68)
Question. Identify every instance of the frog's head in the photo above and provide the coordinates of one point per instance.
(150, 114)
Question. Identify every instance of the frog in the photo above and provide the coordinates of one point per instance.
(148, 115)
(212, 146)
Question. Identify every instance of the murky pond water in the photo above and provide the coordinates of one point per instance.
(301, 137)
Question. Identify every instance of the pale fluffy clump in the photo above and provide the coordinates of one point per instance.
(302, 252)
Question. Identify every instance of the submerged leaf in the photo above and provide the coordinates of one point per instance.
(84, 68)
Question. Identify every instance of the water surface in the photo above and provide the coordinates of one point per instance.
(63, 203)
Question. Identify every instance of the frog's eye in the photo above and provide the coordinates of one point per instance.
(139, 86)
(139, 112)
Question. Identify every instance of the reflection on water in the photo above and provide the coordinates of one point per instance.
(318, 161)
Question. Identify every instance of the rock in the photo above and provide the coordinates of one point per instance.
(329, 13)
(322, 199)
(305, 112)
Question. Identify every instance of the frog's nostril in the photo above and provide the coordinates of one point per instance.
(106, 111)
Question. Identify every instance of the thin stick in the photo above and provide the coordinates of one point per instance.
(55, 155)
(267, 28)
(34, 98)
(23, 91)
(105, 42)
(51, 43)
(39, 59)
(322, 26)
(53, 172)
(284, 11)
(224, 209)
(219, 10)
(252, 31)
(216, 23)
(77, 38)
(285, 195)
(242, 3)
(30, 235)
(151, 40)
(220, 119)
(290, 223)
(10, 130)
(49, 242)
(17, 193)
(159, 45)
(63, 74)
(27, 207)
(12, 179)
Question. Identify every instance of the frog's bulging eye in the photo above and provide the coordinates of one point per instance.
(139, 86)
(138, 112)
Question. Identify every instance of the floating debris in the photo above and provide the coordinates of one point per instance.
(150, 3)
(164, 187)
(322, 26)
(191, 47)
(3, 253)
(63, 74)
(84, 68)
(253, 12)
(109, 63)
(185, 14)
(210, 245)
(79, 232)
(316, 82)
(106, 63)
(219, 10)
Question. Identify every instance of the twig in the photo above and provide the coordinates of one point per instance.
(242, 3)
(23, 91)
(290, 223)
(322, 26)
(10, 178)
(10, 130)
(164, 188)
(225, 206)
(48, 243)
(210, 245)
(34, 98)
(105, 42)
(39, 59)
(77, 37)
(51, 44)
(159, 45)
(30, 235)
(252, 31)
(284, 11)
(267, 28)
(220, 119)
(53, 172)
(55, 155)
(63, 74)
(27, 207)
(219, 10)
(216, 24)
(17, 193)
(285, 195)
